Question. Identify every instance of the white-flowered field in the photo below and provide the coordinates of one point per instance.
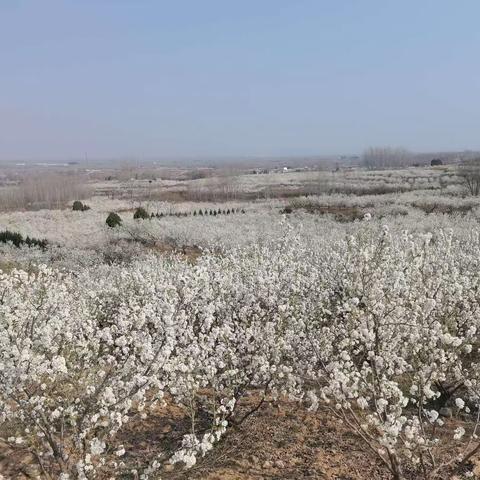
(360, 307)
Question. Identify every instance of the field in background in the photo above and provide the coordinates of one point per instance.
(38, 204)
(35, 186)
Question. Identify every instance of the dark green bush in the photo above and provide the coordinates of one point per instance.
(141, 213)
(113, 220)
(78, 206)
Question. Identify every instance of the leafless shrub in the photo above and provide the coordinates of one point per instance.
(198, 173)
(223, 187)
(469, 174)
(340, 213)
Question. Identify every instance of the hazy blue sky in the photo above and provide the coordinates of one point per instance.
(245, 77)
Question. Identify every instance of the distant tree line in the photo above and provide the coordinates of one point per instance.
(44, 191)
(386, 157)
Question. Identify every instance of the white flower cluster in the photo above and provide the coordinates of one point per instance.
(378, 327)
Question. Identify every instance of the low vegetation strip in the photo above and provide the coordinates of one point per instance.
(17, 239)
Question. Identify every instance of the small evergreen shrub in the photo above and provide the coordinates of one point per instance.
(113, 220)
(141, 214)
(78, 206)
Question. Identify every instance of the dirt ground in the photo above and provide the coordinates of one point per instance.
(277, 443)
(281, 445)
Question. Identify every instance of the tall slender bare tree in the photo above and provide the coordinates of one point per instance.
(469, 173)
